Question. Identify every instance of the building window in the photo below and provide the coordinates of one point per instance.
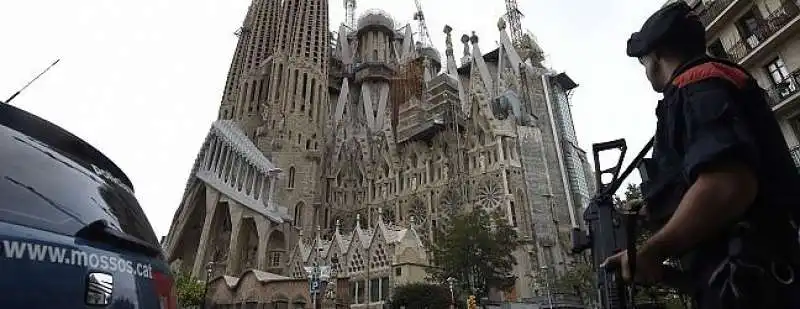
(375, 290)
(275, 259)
(298, 214)
(779, 75)
(748, 28)
(361, 292)
(291, 177)
(385, 288)
(513, 214)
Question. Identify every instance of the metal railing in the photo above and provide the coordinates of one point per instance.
(784, 89)
(707, 14)
(765, 29)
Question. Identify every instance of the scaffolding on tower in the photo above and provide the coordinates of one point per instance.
(406, 85)
(525, 43)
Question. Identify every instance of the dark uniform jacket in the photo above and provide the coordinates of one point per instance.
(714, 111)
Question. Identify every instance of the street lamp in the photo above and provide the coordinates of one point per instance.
(450, 281)
(547, 285)
(209, 271)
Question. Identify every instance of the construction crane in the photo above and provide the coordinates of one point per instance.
(514, 16)
(350, 13)
(525, 43)
(424, 35)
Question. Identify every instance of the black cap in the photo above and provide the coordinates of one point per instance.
(674, 23)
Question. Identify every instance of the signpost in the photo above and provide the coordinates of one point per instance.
(318, 276)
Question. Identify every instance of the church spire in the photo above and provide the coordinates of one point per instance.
(256, 43)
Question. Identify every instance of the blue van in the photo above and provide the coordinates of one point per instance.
(72, 234)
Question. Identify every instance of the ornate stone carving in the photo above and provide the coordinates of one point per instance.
(490, 194)
(418, 210)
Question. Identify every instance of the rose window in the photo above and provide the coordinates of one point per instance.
(490, 195)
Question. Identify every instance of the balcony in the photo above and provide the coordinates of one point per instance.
(765, 32)
(708, 14)
(795, 151)
(784, 91)
(374, 71)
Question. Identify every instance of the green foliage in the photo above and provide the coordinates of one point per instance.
(190, 291)
(475, 249)
(420, 296)
(578, 280)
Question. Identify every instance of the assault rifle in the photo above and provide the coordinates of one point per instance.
(611, 230)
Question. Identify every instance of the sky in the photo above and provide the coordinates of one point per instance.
(142, 80)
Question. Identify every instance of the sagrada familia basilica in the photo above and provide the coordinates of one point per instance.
(348, 148)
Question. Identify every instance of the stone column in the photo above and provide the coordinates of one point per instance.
(212, 198)
(263, 227)
(234, 254)
(272, 182)
(209, 153)
(428, 178)
(262, 185)
(507, 194)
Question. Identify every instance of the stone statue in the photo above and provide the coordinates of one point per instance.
(330, 290)
(482, 163)
(445, 171)
(448, 41)
(465, 40)
(414, 182)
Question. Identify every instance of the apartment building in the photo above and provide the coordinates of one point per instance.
(763, 36)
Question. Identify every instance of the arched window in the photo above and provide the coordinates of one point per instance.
(513, 214)
(253, 91)
(298, 214)
(291, 177)
(326, 221)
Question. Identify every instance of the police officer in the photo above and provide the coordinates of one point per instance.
(723, 188)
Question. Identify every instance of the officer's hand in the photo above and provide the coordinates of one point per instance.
(648, 269)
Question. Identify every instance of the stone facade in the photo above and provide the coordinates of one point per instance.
(364, 130)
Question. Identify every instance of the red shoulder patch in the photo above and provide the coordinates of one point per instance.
(712, 70)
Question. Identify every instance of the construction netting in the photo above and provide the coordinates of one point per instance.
(407, 84)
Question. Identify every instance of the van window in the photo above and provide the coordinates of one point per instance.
(43, 189)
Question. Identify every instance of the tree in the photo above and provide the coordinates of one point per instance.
(190, 291)
(578, 280)
(475, 249)
(420, 296)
